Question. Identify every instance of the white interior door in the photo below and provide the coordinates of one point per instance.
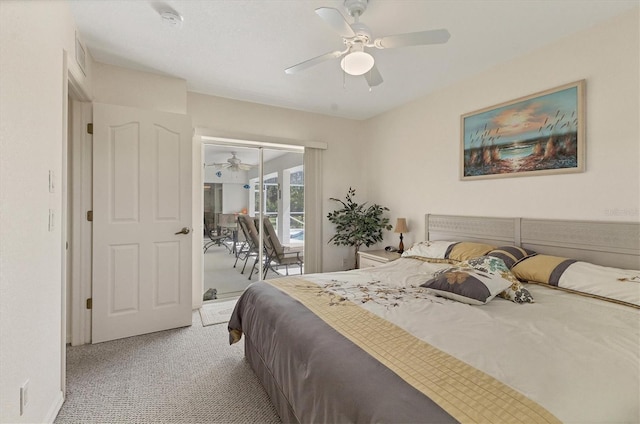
(142, 172)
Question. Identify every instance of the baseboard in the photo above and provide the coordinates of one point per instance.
(55, 408)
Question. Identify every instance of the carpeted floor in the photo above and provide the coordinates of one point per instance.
(187, 375)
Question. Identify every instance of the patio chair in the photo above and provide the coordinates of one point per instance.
(228, 226)
(250, 248)
(215, 238)
(276, 254)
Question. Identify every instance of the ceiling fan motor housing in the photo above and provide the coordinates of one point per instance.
(356, 7)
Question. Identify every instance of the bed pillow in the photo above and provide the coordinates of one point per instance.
(511, 254)
(467, 250)
(516, 292)
(606, 283)
(474, 286)
(618, 285)
(428, 249)
(541, 268)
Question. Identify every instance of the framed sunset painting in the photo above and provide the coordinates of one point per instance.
(539, 134)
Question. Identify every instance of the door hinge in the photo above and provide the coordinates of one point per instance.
(90, 216)
(90, 303)
(90, 128)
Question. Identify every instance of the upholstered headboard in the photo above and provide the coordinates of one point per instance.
(614, 244)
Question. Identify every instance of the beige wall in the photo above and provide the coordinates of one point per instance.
(342, 166)
(414, 150)
(33, 38)
(143, 90)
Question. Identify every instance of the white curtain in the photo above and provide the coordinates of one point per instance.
(312, 210)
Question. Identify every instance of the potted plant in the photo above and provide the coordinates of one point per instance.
(357, 225)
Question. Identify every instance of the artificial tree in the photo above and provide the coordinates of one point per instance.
(357, 225)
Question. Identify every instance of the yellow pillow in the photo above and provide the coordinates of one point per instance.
(468, 250)
(541, 268)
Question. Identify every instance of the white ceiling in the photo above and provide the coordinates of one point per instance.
(240, 48)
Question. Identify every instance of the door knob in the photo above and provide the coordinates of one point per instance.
(185, 230)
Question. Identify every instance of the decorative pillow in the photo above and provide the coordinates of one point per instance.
(511, 254)
(464, 283)
(541, 268)
(467, 250)
(516, 292)
(428, 249)
(487, 264)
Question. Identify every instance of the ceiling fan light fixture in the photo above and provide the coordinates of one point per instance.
(357, 63)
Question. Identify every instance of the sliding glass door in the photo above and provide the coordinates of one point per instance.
(254, 183)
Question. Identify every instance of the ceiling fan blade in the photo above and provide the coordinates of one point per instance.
(435, 36)
(334, 18)
(311, 62)
(373, 77)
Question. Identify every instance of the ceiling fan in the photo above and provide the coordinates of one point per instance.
(358, 36)
(232, 164)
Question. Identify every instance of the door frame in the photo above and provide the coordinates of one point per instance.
(80, 243)
(73, 93)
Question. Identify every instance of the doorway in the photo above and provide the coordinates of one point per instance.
(233, 176)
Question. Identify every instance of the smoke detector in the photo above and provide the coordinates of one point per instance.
(171, 18)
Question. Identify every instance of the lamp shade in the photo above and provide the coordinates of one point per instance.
(357, 63)
(401, 226)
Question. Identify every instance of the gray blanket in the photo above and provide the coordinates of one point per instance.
(325, 377)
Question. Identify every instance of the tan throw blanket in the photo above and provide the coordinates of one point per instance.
(467, 394)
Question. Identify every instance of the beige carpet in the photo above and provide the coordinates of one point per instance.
(187, 375)
(217, 312)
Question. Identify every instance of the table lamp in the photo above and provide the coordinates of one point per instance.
(401, 227)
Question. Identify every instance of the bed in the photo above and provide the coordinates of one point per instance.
(376, 345)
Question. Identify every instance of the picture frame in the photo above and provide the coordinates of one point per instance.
(539, 134)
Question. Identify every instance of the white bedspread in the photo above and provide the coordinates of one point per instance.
(578, 357)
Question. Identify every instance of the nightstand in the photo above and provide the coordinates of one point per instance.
(371, 258)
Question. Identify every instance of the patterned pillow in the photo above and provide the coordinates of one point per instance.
(516, 292)
(488, 263)
(475, 282)
(511, 254)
